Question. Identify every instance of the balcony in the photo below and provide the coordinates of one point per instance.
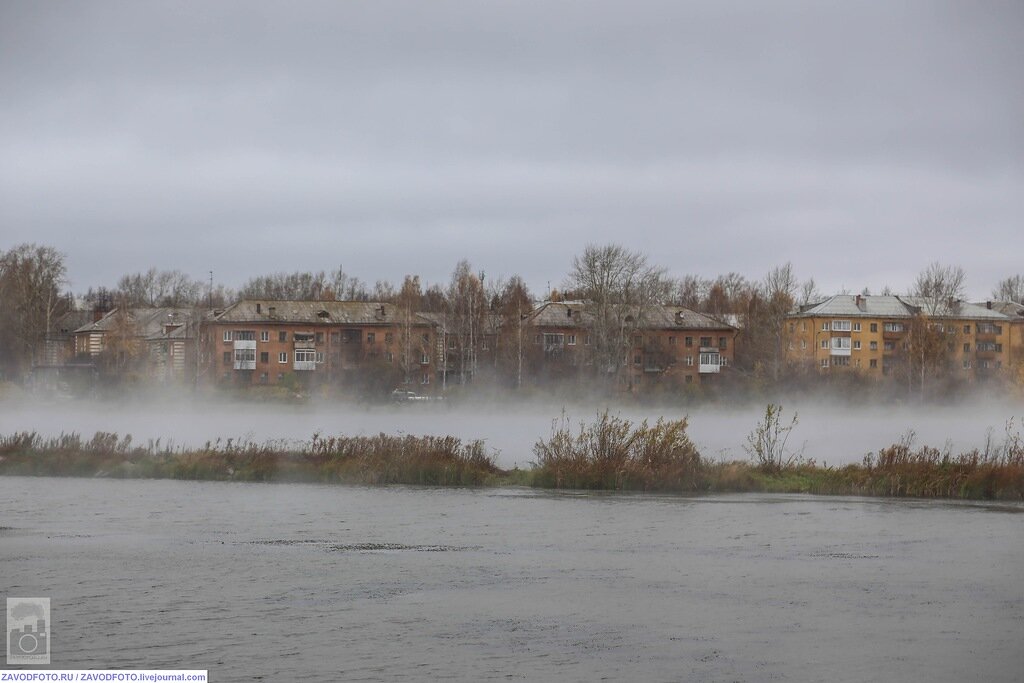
(304, 360)
(245, 355)
(710, 361)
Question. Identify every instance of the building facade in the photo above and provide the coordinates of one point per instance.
(310, 343)
(876, 336)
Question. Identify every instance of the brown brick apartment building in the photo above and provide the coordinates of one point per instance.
(318, 342)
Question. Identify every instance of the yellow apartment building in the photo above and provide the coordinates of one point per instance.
(870, 335)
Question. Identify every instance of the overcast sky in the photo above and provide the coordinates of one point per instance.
(860, 141)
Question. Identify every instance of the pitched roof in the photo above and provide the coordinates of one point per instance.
(575, 314)
(888, 306)
(313, 312)
(146, 321)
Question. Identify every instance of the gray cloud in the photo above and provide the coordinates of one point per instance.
(859, 142)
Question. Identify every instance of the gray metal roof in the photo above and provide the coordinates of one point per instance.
(884, 306)
(145, 321)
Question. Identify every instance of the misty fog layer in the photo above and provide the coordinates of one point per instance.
(832, 435)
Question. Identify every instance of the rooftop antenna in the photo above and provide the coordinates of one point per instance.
(209, 299)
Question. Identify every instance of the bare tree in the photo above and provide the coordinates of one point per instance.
(809, 293)
(466, 310)
(1010, 289)
(513, 305)
(940, 287)
(31, 278)
(618, 285)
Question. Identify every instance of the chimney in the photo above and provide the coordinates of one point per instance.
(258, 308)
(988, 305)
(568, 311)
(379, 313)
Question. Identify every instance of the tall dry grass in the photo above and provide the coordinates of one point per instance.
(380, 459)
(614, 453)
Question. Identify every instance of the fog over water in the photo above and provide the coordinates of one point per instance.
(831, 434)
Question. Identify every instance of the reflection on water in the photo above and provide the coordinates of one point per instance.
(346, 583)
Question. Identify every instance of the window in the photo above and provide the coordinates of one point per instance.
(537, 339)
(856, 327)
(425, 359)
(282, 337)
(874, 327)
(989, 328)
(426, 337)
(245, 335)
(689, 341)
(803, 326)
(264, 336)
(824, 362)
(989, 346)
(824, 326)
(856, 345)
(283, 356)
(370, 337)
(264, 357)
(893, 327)
(263, 378)
(705, 341)
(792, 328)
(841, 361)
(319, 356)
(840, 342)
(856, 363)
(388, 337)
(227, 335)
(689, 360)
(710, 359)
(722, 341)
(689, 379)
(586, 340)
(967, 329)
(671, 341)
(967, 364)
(304, 356)
(319, 337)
(803, 343)
(873, 363)
(425, 379)
(571, 340)
(335, 338)
(638, 359)
(824, 343)
(873, 346)
(841, 325)
(890, 346)
(451, 343)
(389, 357)
(227, 358)
(485, 345)
(967, 348)
(245, 355)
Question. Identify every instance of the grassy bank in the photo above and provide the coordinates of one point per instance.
(380, 459)
(613, 453)
(610, 453)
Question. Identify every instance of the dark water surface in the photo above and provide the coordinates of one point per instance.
(329, 583)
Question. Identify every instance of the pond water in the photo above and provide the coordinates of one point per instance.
(311, 582)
